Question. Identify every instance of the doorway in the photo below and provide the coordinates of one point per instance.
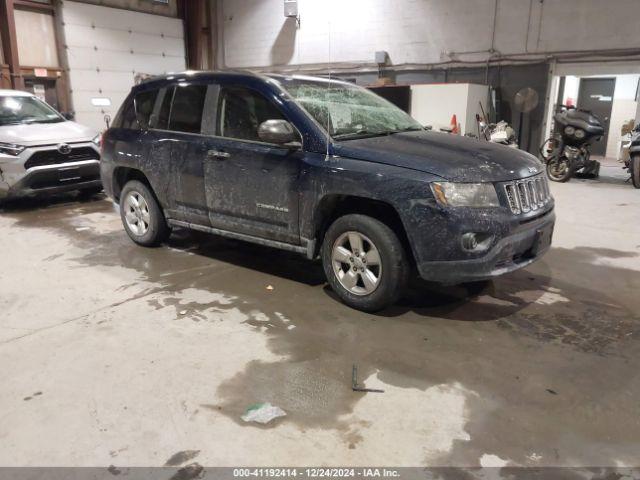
(596, 95)
(43, 88)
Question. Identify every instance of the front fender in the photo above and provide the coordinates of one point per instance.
(406, 191)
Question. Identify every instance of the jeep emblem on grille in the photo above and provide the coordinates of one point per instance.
(532, 169)
(64, 149)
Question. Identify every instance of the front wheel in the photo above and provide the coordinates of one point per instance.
(365, 262)
(141, 215)
(559, 169)
(635, 171)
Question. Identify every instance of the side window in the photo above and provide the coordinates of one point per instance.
(241, 111)
(126, 117)
(162, 122)
(187, 107)
(144, 106)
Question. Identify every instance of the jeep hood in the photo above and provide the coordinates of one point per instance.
(452, 157)
(46, 133)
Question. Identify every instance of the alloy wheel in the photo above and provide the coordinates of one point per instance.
(356, 263)
(558, 168)
(137, 213)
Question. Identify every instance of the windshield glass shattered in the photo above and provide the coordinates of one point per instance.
(26, 110)
(346, 110)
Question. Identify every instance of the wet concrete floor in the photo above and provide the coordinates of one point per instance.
(115, 354)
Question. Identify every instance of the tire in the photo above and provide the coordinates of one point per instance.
(145, 224)
(379, 244)
(635, 170)
(559, 170)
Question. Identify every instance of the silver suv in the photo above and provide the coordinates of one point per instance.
(41, 151)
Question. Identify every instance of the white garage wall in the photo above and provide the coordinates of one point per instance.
(106, 47)
(256, 34)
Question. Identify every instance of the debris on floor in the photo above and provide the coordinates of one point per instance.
(269, 287)
(183, 312)
(534, 457)
(262, 413)
(179, 458)
(354, 383)
(189, 472)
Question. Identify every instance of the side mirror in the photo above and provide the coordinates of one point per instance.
(68, 115)
(279, 132)
(107, 120)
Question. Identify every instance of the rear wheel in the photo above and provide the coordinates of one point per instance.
(635, 171)
(559, 169)
(141, 215)
(364, 262)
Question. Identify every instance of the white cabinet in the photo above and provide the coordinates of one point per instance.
(435, 104)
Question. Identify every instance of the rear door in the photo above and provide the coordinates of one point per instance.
(175, 146)
(251, 186)
(596, 95)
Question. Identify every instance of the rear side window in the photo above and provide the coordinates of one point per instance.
(187, 107)
(241, 111)
(126, 117)
(145, 102)
(165, 110)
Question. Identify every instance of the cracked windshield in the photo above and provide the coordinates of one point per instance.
(348, 111)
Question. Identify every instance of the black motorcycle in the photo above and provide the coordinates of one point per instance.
(567, 152)
(633, 163)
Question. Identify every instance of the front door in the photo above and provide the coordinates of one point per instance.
(251, 187)
(596, 95)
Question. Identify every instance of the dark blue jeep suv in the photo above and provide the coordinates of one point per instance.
(324, 168)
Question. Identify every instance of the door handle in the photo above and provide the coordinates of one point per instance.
(218, 154)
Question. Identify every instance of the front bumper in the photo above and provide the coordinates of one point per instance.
(521, 247)
(49, 179)
(43, 170)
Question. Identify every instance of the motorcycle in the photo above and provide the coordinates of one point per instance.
(500, 132)
(632, 164)
(568, 152)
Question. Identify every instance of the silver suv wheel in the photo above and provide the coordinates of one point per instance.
(137, 213)
(356, 263)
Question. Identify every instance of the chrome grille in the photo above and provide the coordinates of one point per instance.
(528, 194)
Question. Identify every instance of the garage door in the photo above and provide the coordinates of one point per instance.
(107, 47)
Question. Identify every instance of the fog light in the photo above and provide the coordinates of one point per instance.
(469, 241)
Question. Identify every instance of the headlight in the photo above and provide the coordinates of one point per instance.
(580, 133)
(11, 149)
(465, 194)
(569, 130)
(97, 139)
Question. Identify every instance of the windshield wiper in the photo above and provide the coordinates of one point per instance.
(408, 129)
(360, 134)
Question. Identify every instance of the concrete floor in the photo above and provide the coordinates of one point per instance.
(116, 354)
